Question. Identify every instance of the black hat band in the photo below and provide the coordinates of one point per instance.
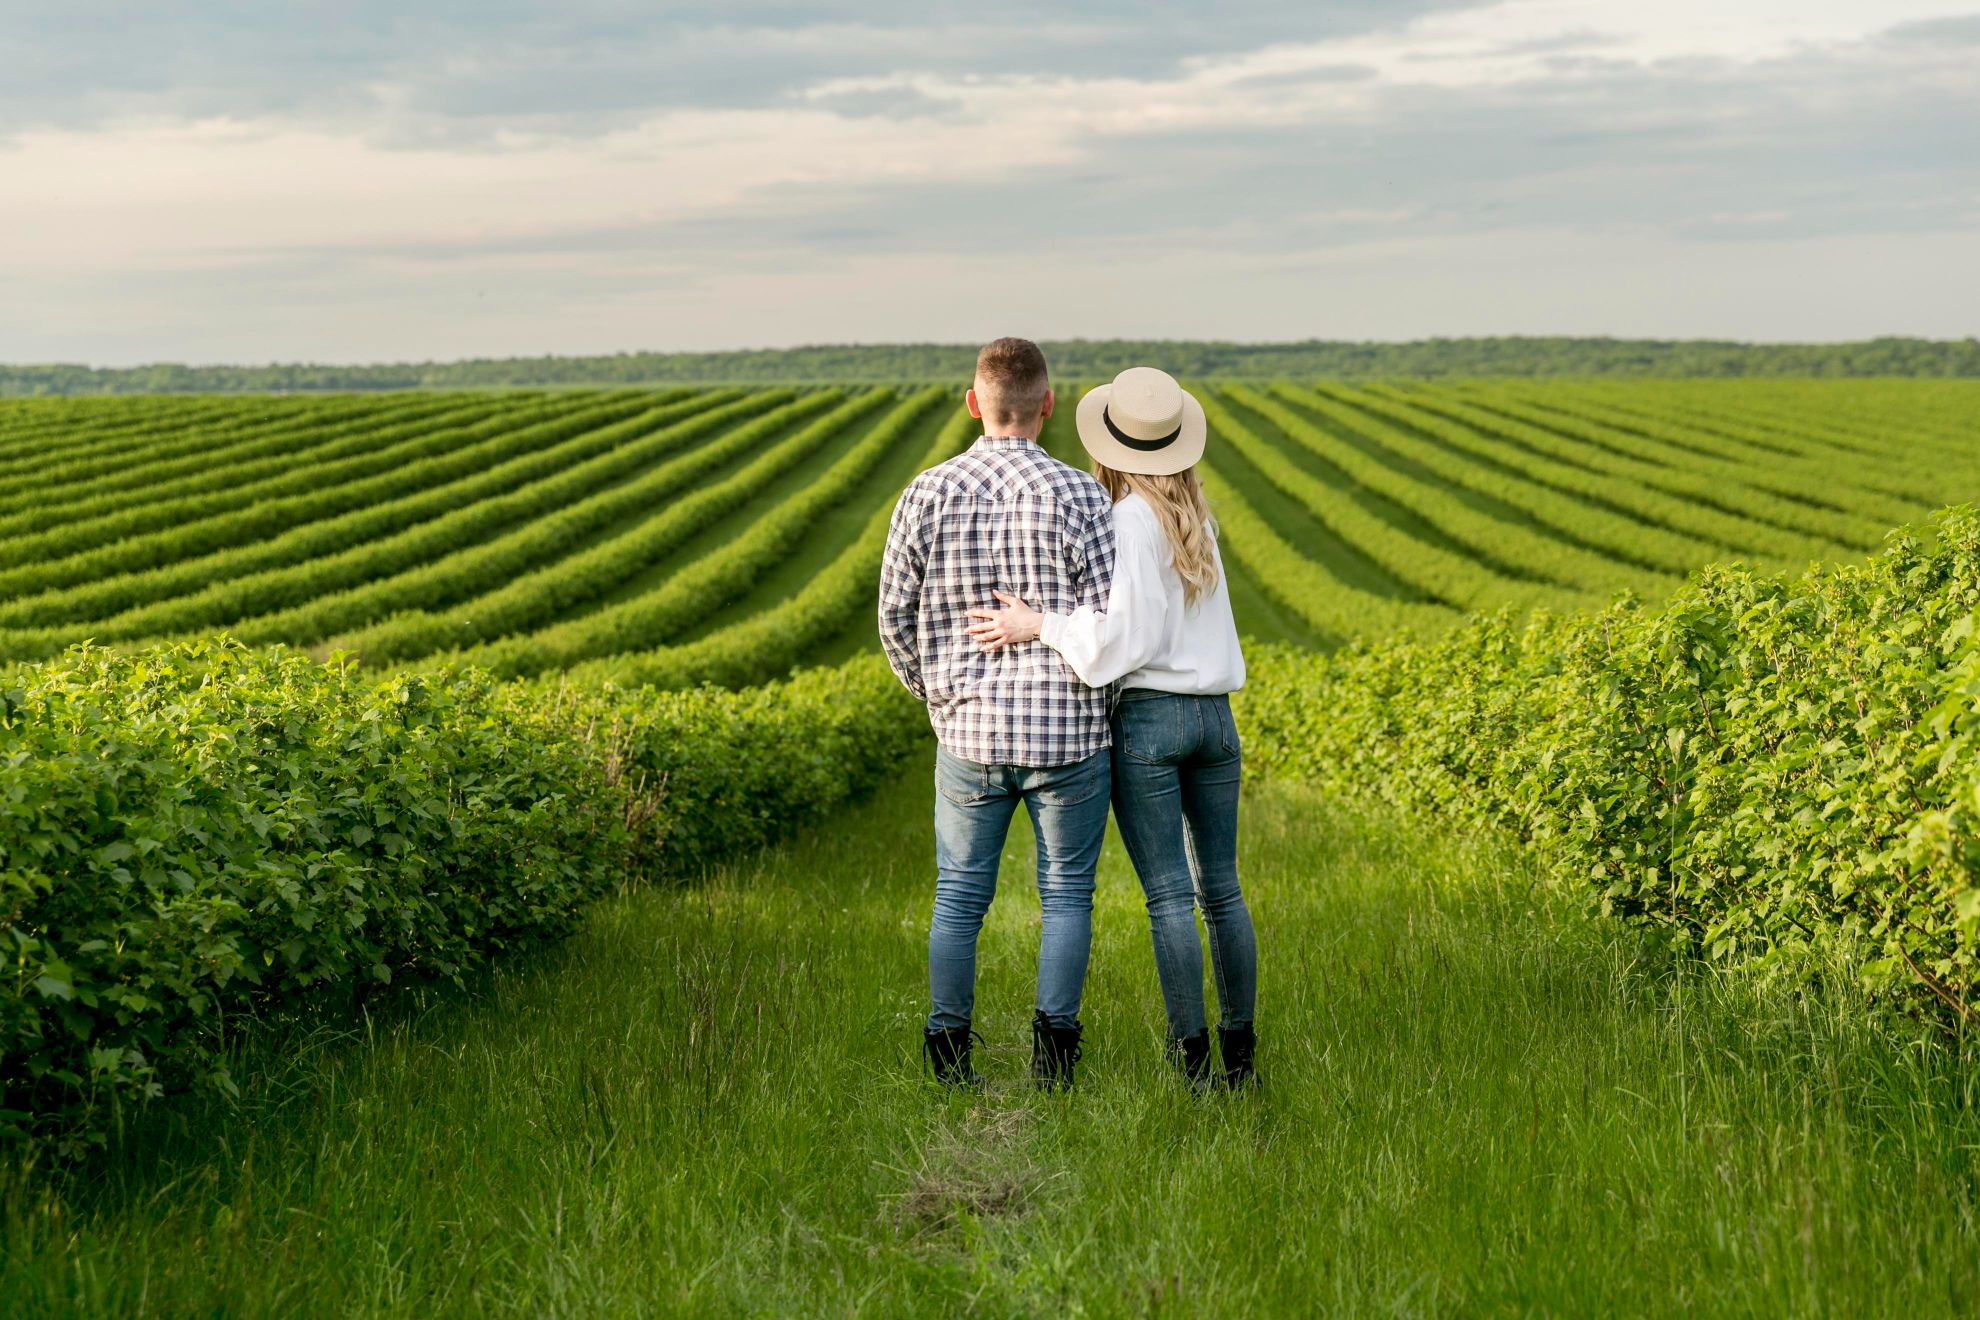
(1145, 446)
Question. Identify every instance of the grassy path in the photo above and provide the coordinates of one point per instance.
(708, 1103)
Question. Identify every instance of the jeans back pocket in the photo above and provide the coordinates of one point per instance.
(1152, 729)
(965, 783)
(1070, 785)
(1225, 725)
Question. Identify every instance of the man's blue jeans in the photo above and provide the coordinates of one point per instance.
(974, 804)
(1176, 771)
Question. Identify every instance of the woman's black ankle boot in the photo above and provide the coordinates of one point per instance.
(947, 1052)
(1054, 1051)
(1238, 1043)
(1191, 1054)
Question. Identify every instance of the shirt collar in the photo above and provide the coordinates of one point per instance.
(1003, 441)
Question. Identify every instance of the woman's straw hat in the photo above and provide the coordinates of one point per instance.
(1144, 423)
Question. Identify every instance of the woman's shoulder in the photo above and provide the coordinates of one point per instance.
(1134, 510)
(1136, 529)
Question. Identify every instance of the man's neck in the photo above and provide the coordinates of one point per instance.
(1010, 435)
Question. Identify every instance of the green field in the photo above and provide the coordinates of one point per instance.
(729, 534)
(1477, 1101)
(1615, 959)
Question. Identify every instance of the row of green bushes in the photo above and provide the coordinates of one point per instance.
(1665, 495)
(1780, 772)
(241, 455)
(460, 462)
(1783, 772)
(197, 837)
(317, 579)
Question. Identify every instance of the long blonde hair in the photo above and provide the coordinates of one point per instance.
(1184, 516)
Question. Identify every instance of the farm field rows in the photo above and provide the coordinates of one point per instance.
(723, 534)
(487, 996)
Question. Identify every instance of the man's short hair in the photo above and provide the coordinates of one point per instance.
(1011, 380)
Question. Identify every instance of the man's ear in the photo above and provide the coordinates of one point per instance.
(975, 408)
(1050, 399)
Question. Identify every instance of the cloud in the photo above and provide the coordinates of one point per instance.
(1539, 281)
(466, 71)
(584, 183)
(1316, 73)
(1958, 30)
(885, 100)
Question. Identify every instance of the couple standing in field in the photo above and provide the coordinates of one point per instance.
(1073, 640)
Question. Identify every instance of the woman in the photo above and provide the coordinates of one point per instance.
(1167, 637)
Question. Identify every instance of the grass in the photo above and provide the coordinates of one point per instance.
(1478, 1100)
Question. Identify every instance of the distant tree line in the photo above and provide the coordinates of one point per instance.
(1086, 359)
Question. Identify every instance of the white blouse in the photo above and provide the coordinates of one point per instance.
(1148, 638)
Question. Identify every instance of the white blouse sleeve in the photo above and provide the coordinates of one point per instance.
(1104, 647)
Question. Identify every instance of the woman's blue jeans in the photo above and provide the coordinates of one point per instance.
(1176, 771)
(974, 804)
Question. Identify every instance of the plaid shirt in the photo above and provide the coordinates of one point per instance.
(1003, 515)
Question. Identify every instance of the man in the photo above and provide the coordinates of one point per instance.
(1016, 724)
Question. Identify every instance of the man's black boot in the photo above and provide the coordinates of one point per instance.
(1054, 1051)
(947, 1051)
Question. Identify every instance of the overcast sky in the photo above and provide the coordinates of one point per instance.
(241, 180)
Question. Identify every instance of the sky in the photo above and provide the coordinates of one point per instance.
(253, 181)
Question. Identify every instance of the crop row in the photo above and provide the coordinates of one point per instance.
(529, 532)
(1333, 609)
(1846, 462)
(1720, 438)
(1551, 459)
(68, 431)
(1798, 494)
(786, 636)
(699, 588)
(78, 475)
(1734, 487)
(1482, 534)
(1618, 537)
(519, 444)
(1779, 773)
(1894, 427)
(284, 453)
(57, 441)
(311, 570)
(227, 451)
(493, 594)
(416, 449)
(202, 836)
(74, 421)
(1883, 410)
(314, 537)
(1443, 575)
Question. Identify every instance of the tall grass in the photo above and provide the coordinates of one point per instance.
(707, 1102)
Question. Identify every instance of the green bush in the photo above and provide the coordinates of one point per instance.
(1782, 772)
(741, 769)
(204, 835)
(192, 837)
